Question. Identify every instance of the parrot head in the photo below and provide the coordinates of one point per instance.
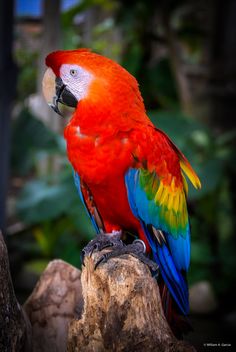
(75, 76)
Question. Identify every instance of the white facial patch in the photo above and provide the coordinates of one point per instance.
(77, 80)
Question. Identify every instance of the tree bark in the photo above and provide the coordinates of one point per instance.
(15, 331)
(223, 65)
(55, 300)
(51, 40)
(7, 95)
(122, 310)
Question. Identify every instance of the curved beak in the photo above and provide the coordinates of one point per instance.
(55, 91)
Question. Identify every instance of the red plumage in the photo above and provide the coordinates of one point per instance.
(109, 134)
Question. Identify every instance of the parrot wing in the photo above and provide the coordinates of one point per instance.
(160, 205)
(90, 206)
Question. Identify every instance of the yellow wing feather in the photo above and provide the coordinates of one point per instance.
(189, 172)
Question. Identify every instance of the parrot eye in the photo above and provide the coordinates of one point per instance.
(73, 72)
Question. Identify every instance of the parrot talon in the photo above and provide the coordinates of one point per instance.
(103, 259)
(101, 242)
(136, 249)
(140, 242)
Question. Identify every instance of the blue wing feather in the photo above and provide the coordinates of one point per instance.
(78, 186)
(172, 256)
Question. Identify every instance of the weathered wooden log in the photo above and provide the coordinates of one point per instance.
(15, 331)
(54, 302)
(122, 310)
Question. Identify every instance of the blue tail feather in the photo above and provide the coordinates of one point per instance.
(173, 278)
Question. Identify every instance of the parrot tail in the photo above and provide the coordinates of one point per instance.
(179, 324)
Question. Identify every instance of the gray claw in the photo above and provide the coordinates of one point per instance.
(137, 249)
(99, 243)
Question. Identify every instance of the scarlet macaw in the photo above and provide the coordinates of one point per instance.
(129, 174)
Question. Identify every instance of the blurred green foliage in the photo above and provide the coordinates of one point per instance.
(27, 77)
(49, 204)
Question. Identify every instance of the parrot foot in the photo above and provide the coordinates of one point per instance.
(136, 249)
(100, 242)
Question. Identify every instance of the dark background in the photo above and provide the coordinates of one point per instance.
(183, 53)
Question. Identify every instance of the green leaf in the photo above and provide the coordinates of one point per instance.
(40, 201)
